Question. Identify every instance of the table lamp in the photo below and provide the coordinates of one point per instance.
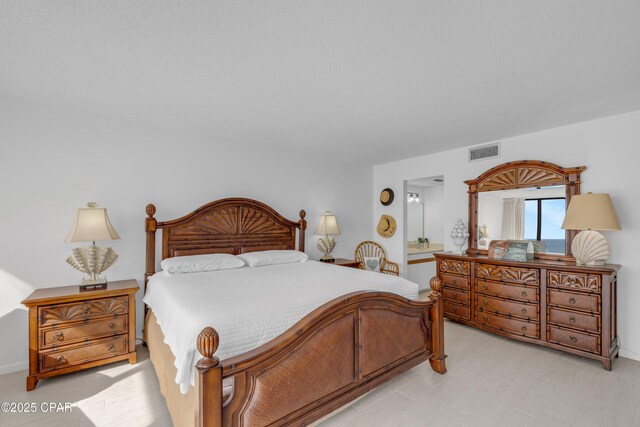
(328, 226)
(92, 224)
(590, 212)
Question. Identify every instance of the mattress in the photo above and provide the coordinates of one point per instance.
(250, 306)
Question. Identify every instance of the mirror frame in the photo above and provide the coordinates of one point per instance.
(523, 174)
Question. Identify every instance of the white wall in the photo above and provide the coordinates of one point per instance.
(52, 162)
(604, 146)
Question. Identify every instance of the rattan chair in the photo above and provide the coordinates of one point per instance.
(372, 249)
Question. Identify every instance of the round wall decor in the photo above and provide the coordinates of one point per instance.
(387, 226)
(386, 197)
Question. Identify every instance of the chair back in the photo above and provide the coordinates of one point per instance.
(369, 249)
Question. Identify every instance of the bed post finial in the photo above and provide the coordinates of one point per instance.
(436, 313)
(209, 379)
(151, 210)
(303, 226)
(435, 284)
(207, 345)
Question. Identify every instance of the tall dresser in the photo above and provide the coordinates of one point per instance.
(554, 304)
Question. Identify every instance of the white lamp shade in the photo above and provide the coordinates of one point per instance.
(591, 212)
(91, 224)
(328, 225)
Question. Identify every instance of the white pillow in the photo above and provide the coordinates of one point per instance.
(372, 263)
(196, 263)
(257, 259)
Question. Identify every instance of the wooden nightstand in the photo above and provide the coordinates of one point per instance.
(70, 330)
(346, 262)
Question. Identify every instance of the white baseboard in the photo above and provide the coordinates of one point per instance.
(14, 367)
(629, 354)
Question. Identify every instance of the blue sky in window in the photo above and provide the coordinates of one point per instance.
(552, 217)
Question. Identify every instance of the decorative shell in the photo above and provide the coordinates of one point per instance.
(92, 260)
(590, 248)
(326, 244)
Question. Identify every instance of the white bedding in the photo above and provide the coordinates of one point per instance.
(249, 306)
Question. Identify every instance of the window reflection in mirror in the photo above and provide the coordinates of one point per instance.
(531, 213)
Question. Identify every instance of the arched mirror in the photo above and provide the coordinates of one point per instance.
(523, 200)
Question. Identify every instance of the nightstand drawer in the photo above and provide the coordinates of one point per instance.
(95, 350)
(82, 331)
(54, 314)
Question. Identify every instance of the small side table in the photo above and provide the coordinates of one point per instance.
(346, 262)
(71, 330)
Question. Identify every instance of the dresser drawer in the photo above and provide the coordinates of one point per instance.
(572, 319)
(457, 310)
(54, 314)
(82, 331)
(509, 308)
(73, 355)
(455, 267)
(513, 326)
(574, 281)
(579, 340)
(455, 281)
(572, 300)
(525, 276)
(456, 295)
(504, 290)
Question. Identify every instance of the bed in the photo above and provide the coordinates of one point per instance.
(338, 349)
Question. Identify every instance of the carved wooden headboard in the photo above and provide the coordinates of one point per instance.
(232, 226)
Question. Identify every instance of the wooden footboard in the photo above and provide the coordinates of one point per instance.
(338, 352)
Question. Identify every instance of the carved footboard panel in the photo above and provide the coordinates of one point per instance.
(335, 354)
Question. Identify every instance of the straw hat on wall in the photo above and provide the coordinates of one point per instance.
(387, 226)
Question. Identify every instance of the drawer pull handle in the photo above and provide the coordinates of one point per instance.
(523, 327)
(524, 311)
(112, 325)
(59, 336)
(454, 295)
(111, 347)
(572, 300)
(453, 282)
(453, 309)
(61, 359)
(485, 318)
(572, 319)
(485, 286)
(573, 339)
(485, 302)
(523, 293)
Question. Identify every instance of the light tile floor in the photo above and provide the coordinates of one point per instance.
(492, 381)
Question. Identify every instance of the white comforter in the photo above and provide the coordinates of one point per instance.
(250, 305)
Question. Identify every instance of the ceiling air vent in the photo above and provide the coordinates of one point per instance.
(490, 151)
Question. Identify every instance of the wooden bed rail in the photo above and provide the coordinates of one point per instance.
(337, 347)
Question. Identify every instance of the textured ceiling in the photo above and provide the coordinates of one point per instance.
(364, 80)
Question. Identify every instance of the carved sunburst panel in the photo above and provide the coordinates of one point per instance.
(253, 221)
(498, 181)
(538, 177)
(217, 222)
